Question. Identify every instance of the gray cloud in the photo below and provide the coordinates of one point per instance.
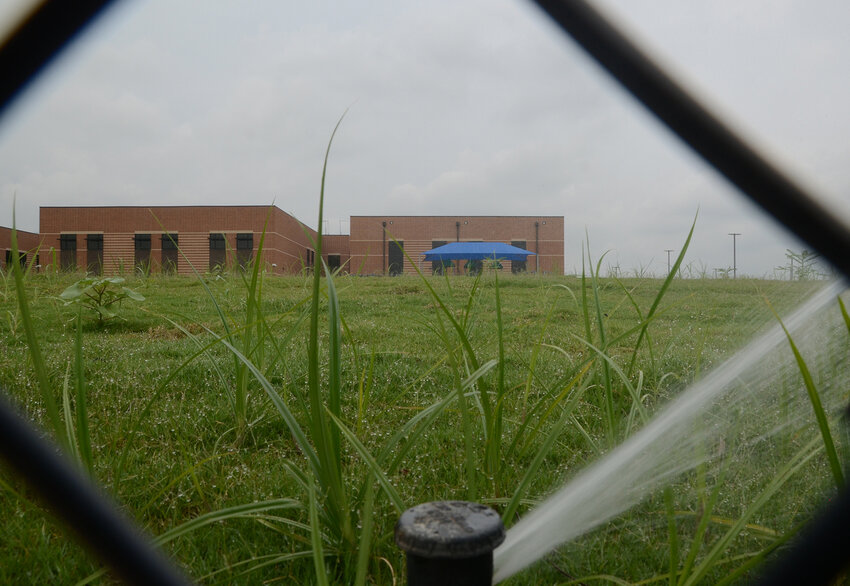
(473, 107)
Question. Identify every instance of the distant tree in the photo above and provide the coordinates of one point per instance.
(802, 265)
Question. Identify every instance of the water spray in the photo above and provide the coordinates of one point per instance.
(645, 461)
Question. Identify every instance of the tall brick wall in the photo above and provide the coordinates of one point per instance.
(286, 245)
(337, 244)
(371, 236)
(28, 245)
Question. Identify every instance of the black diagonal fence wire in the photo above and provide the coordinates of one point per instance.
(704, 132)
(79, 503)
(71, 495)
(51, 26)
(38, 38)
(826, 542)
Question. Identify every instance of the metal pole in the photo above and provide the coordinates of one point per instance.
(449, 543)
(384, 247)
(537, 247)
(734, 236)
(668, 251)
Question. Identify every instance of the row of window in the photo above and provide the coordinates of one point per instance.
(22, 259)
(142, 251)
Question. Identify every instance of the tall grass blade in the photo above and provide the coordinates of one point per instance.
(316, 541)
(225, 323)
(550, 408)
(284, 411)
(610, 418)
(38, 363)
(252, 323)
(535, 353)
(673, 534)
(246, 510)
(495, 437)
(371, 463)
(83, 437)
(334, 359)
(637, 403)
(702, 526)
(459, 326)
(785, 473)
(364, 547)
(664, 286)
(328, 473)
(844, 313)
(70, 431)
(530, 472)
(258, 561)
(817, 407)
(465, 417)
(585, 305)
(396, 448)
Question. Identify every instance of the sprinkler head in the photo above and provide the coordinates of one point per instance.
(449, 542)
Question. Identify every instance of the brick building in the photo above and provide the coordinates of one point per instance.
(28, 247)
(110, 239)
(378, 243)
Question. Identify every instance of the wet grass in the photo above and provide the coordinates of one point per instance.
(160, 386)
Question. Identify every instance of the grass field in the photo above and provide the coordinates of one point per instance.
(409, 395)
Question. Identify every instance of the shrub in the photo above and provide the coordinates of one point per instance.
(102, 295)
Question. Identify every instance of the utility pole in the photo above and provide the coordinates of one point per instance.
(384, 246)
(734, 236)
(668, 251)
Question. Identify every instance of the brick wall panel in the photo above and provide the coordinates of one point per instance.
(287, 240)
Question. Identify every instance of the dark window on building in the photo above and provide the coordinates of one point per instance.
(169, 253)
(244, 249)
(438, 267)
(333, 262)
(518, 266)
(218, 252)
(142, 253)
(22, 259)
(94, 253)
(308, 259)
(68, 252)
(396, 258)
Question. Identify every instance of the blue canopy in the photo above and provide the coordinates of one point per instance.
(476, 251)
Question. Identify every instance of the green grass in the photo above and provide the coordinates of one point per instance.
(222, 391)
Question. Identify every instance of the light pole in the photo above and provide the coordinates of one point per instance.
(668, 251)
(734, 236)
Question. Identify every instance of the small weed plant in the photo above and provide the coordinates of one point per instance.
(101, 295)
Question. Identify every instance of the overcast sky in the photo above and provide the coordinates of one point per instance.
(473, 107)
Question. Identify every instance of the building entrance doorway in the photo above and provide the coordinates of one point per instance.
(396, 258)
